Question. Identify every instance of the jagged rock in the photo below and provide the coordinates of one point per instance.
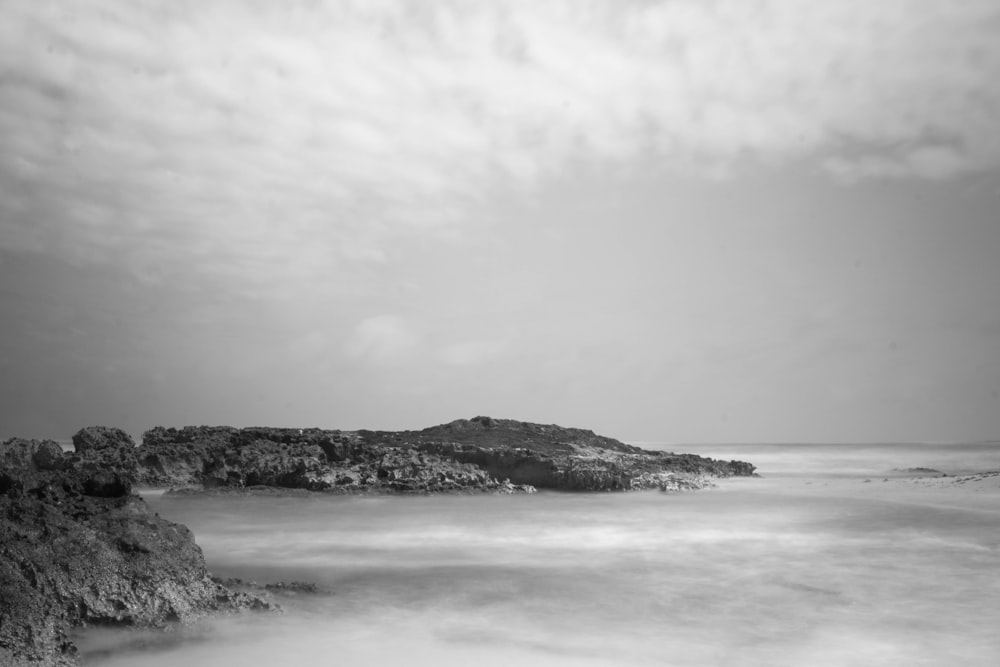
(302, 587)
(21, 461)
(106, 484)
(225, 456)
(586, 468)
(489, 433)
(94, 438)
(76, 548)
(100, 449)
(308, 459)
(172, 457)
(464, 455)
(30, 455)
(280, 587)
(48, 456)
(267, 463)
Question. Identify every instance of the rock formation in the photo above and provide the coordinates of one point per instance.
(480, 454)
(78, 548)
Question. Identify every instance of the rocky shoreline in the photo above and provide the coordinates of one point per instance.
(468, 455)
(78, 548)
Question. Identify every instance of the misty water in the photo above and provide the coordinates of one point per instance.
(808, 565)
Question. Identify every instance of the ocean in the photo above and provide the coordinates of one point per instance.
(832, 557)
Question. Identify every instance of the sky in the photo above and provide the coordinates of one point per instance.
(669, 221)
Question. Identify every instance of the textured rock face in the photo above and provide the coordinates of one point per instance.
(100, 448)
(333, 461)
(76, 548)
(409, 470)
(223, 456)
(18, 456)
(96, 438)
(588, 469)
(484, 454)
(553, 457)
(489, 433)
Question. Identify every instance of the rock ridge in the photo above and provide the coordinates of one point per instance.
(481, 454)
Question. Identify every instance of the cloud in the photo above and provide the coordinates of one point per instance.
(471, 352)
(262, 144)
(384, 340)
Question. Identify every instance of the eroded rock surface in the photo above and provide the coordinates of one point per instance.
(77, 548)
(480, 454)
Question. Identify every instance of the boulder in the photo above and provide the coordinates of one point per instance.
(30, 455)
(95, 438)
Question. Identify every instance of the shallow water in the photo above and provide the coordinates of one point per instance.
(803, 567)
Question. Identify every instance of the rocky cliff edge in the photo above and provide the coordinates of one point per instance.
(77, 548)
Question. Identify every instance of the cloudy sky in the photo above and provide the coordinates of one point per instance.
(678, 221)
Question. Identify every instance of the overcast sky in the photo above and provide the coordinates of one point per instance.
(678, 221)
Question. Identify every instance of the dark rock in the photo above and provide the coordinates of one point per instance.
(106, 484)
(30, 455)
(94, 438)
(309, 459)
(406, 470)
(100, 449)
(22, 461)
(280, 588)
(48, 456)
(462, 456)
(77, 549)
(229, 457)
(490, 433)
(294, 587)
(588, 468)
(266, 463)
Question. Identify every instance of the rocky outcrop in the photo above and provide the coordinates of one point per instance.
(221, 456)
(18, 456)
(101, 438)
(589, 469)
(479, 454)
(101, 448)
(490, 433)
(180, 457)
(332, 461)
(410, 470)
(77, 548)
(281, 588)
(554, 457)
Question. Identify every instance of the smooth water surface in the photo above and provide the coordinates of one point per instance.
(794, 569)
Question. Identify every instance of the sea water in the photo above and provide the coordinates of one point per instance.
(818, 562)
